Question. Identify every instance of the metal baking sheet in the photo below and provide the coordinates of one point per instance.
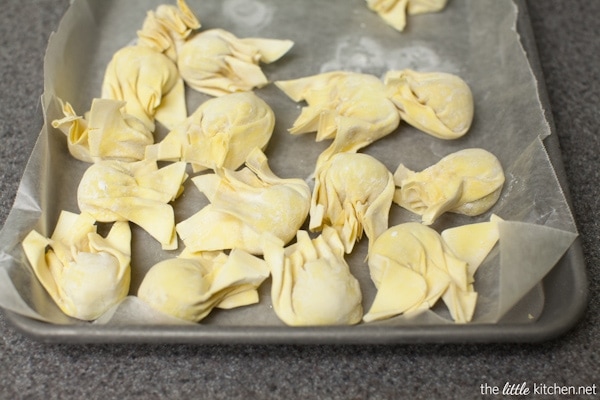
(356, 40)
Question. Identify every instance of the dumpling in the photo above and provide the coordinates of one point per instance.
(190, 287)
(149, 83)
(243, 206)
(353, 191)
(466, 182)
(106, 133)
(412, 267)
(138, 192)
(341, 94)
(216, 62)
(219, 134)
(167, 28)
(349, 107)
(84, 273)
(436, 103)
(393, 12)
(311, 282)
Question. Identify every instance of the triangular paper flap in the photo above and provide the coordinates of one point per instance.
(527, 253)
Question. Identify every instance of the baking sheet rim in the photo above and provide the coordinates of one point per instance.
(544, 328)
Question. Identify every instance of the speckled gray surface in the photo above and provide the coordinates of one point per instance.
(569, 52)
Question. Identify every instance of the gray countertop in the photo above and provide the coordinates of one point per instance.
(569, 52)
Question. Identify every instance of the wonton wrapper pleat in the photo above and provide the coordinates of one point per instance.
(393, 12)
(244, 205)
(351, 108)
(352, 191)
(190, 288)
(210, 229)
(221, 133)
(405, 289)
(107, 133)
(436, 103)
(77, 132)
(216, 62)
(413, 267)
(138, 192)
(166, 29)
(339, 94)
(84, 273)
(473, 242)
(149, 83)
(312, 283)
(466, 182)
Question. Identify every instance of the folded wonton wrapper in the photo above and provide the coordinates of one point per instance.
(311, 282)
(138, 192)
(149, 82)
(216, 62)
(466, 182)
(331, 96)
(106, 132)
(219, 134)
(350, 107)
(393, 12)
(437, 103)
(84, 273)
(352, 191)
(412, 267)
(190, 287)
(244, 205)
(167, 28)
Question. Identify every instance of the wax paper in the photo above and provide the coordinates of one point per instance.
(474, 39)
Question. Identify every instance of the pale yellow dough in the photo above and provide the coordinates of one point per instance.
(394, 12)
(167, 28)
(349, 107)
(243, 206)
(150, 84)
(191, 286)
(219, 134)
(106, 132)
(353, 191)
(84, 273)
(412, 267)
(311, 282)
(217, 62)
(466, 182)
(138, 192)
(436, 103)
